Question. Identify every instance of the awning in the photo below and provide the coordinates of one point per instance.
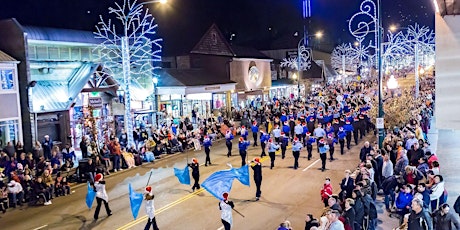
(57, 87)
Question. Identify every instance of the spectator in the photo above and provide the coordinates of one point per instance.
(47, 145)
(443, 219)
(334, 222)
(41, 189)
(347, 185)
(116, 152)
(349, 214)
(326, 191)
(310, 222)
(437, 193)
(15, 193)
(37, 150)
(419, 218)
(48, 180)
(91, 170)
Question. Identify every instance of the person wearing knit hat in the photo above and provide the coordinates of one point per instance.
(243, 146)
(150, 209)
(264, 138)
(272, 147)
(101, 195)
(244, 132)
(226, 207)
(228, 142)
(195, 173)
(296, 147)
(284, 144)
(323, 148)
(257, 168)
(207, 143)
(341, 134)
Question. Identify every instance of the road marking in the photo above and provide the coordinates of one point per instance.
(160, 210)
(221, 228)
(305, 169)
(40, 227)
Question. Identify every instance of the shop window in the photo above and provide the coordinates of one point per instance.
(7, 79)
(9, 132)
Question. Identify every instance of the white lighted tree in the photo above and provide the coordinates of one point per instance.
(129, 50)
(343, 58)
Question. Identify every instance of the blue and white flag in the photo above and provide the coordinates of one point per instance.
(90, 195)
(242, 174)
(183, 175)
(135, 200)
(219, 182)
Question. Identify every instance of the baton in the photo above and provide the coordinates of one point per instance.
(238, 212)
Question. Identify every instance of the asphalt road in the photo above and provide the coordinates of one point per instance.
(287, 194)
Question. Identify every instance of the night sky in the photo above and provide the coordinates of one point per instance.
(262, 24)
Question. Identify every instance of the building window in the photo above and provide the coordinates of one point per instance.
(6, 79)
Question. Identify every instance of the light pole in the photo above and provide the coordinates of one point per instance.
(155, 99)
(371, 13)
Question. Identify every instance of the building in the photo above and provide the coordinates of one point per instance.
(214, 76)
(73, 95)
(10, 114)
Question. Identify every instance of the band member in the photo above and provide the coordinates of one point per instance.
(284, 144)
(310, 140)
(150, 209)
(341, 134)
(228, 142)
(257, 167)
(296, 146)
(101, 195)
(264, 137)
(272, 147)
(243, 146)
(195, 173)
(255, 130)
(207, 143)
(226, 207)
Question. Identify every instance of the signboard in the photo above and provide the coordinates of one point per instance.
(379, 124)
(212, 88)
(95, 102)
(291, 54)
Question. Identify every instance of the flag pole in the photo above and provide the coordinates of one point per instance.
(149, 178)
(238, 212)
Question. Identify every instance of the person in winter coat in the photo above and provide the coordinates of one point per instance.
(419, 218)
(150, 209)
(437, 192)
(326, 191)
(443, 219)
(257, 167)
(347, 185)
(101, 195)
(404, 199)
(228, 142)
(349, 214)
(358, 207)
(195, 173)
(226, 207)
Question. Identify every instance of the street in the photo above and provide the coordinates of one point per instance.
(287, 194)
